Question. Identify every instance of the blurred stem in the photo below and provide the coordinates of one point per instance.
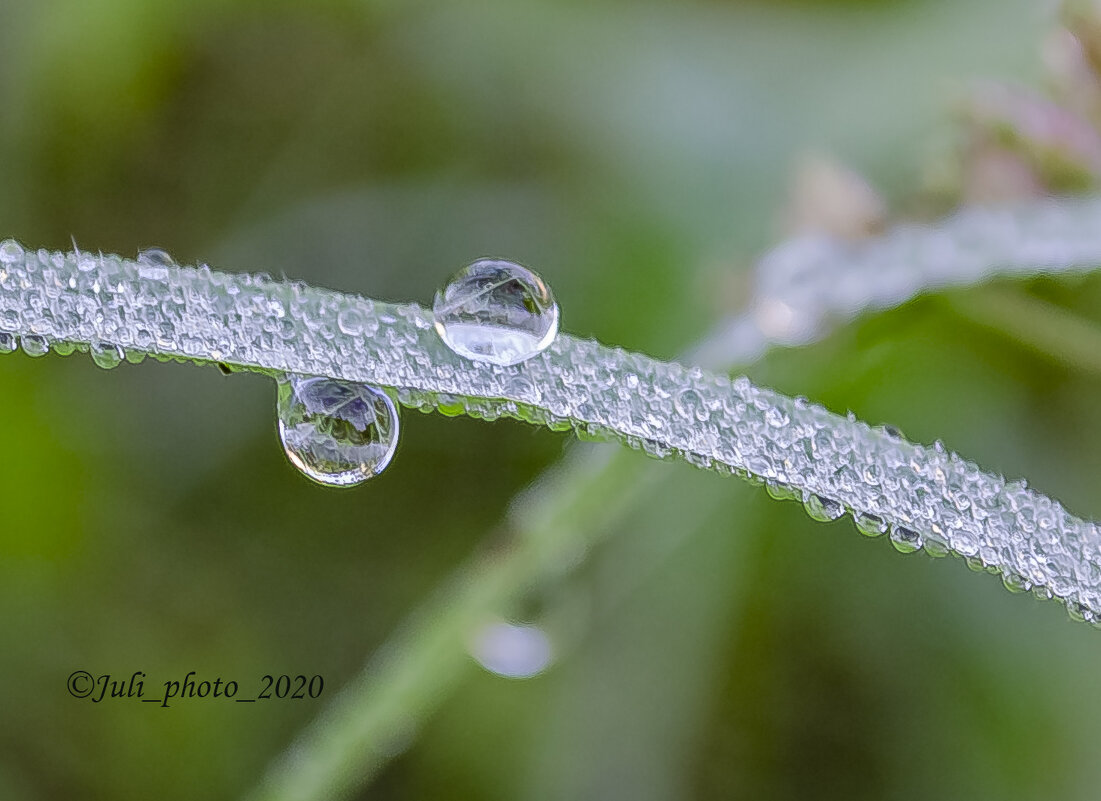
(1040, 326)
(373, 717)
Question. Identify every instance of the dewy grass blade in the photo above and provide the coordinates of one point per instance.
(926, 496)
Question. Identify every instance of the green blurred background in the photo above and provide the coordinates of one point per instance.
(639, 155)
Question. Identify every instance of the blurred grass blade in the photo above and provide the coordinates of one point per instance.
(553, 522)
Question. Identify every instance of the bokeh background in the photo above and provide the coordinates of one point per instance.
(639, 155)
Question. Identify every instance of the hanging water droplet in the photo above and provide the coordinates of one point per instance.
(34, 345)
(905, 540)
(821, 508)
(870, 525)
(10, 251)
(106, 355)
(7, 342)
(496, 311)
(337, 433)
(156, 257)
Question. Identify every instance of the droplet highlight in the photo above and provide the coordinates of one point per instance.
(337, 433)
(496, 311)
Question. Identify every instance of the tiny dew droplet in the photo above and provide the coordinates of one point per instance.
(34, 345)
(338, 433)
(1015, 582)
(10, 251)
(776, 417)
(905, 540)
(496, 311)
(354, 321)
(64, 348)
(689, 403)
(156, 257)
(822, 509)
(106, 355)
(781, 492)
(870, 525)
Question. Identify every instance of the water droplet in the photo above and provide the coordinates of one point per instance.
(689, 403)
(496, 311)
(10, 251)
(7, 342)
(64, 348)
(821, 508)
(905, 540)
(511, 650)
(156, 257)
(337, 433)
(34, 345)
(775, 417)
(1015, 582)
(351, 321)
(106, 355)
(870, 525)
(782, 492)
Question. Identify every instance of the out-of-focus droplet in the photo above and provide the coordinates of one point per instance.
(496, 311)
(511, 650)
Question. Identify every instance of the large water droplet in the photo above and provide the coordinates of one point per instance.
(337, 433)
(496, 311)
(7, 342)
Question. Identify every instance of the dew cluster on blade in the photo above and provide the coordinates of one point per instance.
(349, 356)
